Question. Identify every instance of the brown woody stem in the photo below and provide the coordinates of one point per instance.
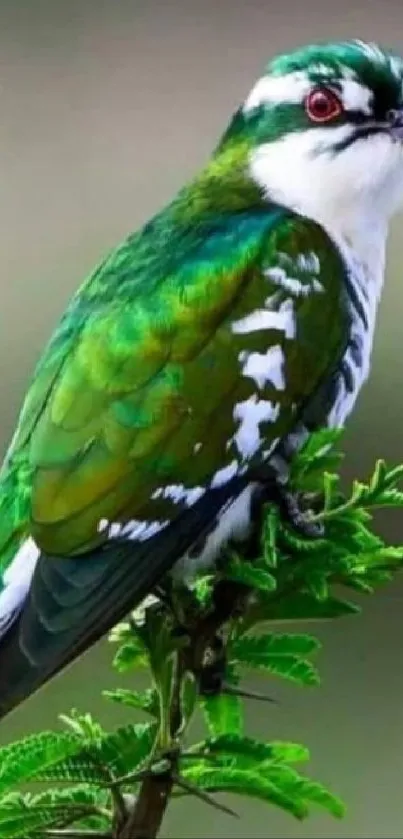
(143, 819)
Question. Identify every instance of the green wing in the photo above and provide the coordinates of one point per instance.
(158, 384)
(182, 363)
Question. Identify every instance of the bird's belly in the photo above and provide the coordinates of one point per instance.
(364, 284)
(232, 524)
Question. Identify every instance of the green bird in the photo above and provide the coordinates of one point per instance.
(197, 357)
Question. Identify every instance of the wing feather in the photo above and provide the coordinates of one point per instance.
(159, 385)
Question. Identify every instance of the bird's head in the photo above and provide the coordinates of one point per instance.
(322, 132)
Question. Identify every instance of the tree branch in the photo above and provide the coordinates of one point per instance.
(201, 656)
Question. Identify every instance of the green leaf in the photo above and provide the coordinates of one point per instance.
(81, 796)
(280, 655)
(318, 444)
(223, 714)
(273, 782)
(202, 588)
(315, 457)
(81, 769)
(188, 698)
(84, 726)
(114, 754)
(247, 783)
(144, 701)
(271, 525)
(161, 643)
(297, 606)
(122, 632)
(22, 822)
(310, 791)
(29, 815)
(317, 584)
(330, 489)
(316, 793)
(292, 539)
(130, 655)
(23, 760)
(253, 750)
(249, 575)
(260, 646)
(128, 747)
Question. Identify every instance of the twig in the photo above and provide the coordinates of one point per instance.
(204, 796)
(144, 819)
(247, 694)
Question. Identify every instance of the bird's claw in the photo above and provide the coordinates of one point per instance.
(299, 518)
(289, 503)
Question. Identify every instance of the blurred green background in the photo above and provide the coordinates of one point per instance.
(106, 108)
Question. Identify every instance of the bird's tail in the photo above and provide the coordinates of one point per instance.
(73, 601)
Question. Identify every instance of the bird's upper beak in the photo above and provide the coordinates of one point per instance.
(396, 123)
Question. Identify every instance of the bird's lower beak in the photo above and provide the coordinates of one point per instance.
(396, 124)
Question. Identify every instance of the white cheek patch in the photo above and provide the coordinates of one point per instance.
(350, 192)
(356, 97)
(292, 88)
(293, 170)
(273, 90)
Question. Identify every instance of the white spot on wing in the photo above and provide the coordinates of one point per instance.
(309, 262)
(250, 414)
(114, 529)
(178, 493)
(294, 285)
(17, 580)
(224, 475)
(266, 367)
(282, 320)
(134, 530)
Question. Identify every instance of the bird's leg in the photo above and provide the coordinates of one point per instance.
(274, 487)
(292, 508)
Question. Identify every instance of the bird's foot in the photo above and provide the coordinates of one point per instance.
(290, 503)
(292, 508)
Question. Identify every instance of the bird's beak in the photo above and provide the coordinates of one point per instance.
(396, 123)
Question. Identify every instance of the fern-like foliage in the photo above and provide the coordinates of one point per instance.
(198, 644)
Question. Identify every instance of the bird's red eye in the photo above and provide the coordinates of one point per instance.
(322, 105)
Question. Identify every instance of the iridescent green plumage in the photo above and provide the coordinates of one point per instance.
(145, 361)
(136, 392)
(182, 366)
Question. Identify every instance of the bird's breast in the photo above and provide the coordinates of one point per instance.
(363, 286)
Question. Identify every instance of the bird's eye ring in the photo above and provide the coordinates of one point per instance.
(322, 105)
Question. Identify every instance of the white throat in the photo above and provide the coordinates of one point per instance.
(351, 196)
(348, 194)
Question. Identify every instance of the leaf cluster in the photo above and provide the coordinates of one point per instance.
(85, 779)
